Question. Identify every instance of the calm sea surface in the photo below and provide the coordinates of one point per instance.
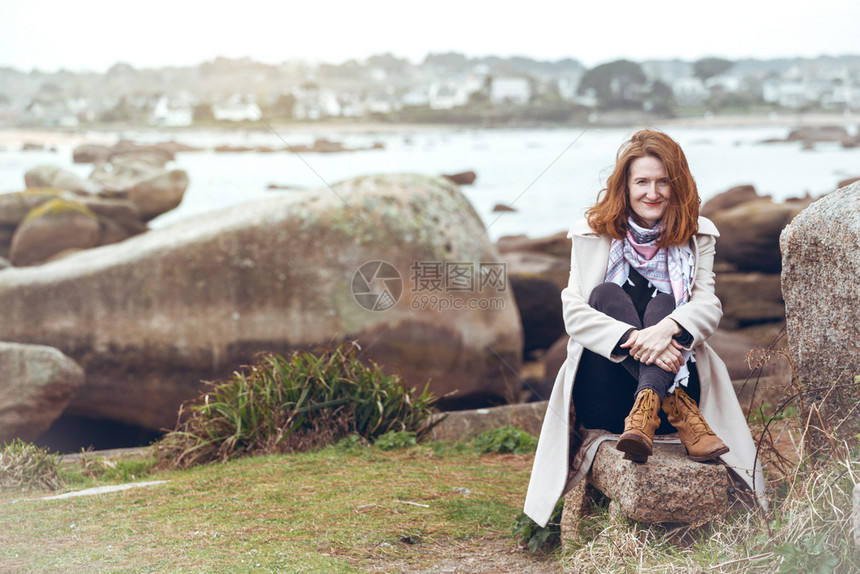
(550, 176)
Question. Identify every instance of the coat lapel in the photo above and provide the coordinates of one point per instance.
(592, 254)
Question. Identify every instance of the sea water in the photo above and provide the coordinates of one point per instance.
(549, 176)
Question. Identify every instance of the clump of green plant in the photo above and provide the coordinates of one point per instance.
(536, 537)
(507, 439)
(395, 440)
(29, 467)
(104, 468)
(295, 403)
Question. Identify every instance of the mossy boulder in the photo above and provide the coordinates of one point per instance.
(54, 227)
(15, 206)
(151, 317)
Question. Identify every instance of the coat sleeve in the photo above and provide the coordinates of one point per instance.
(701, 315)
(592, 329)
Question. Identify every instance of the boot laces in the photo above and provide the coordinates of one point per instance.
(642, 410)
(693, 417)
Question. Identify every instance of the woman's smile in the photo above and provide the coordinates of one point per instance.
(649, 190)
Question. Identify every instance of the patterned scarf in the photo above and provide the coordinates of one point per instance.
(667, 269)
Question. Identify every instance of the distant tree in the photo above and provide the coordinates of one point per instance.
(617, 84)
(282, 107)
(123, 111)
(389, 62)
(452, 61)
(120, 68)
(202, 111)
(661, 99)
(710, 67)
(50, 90)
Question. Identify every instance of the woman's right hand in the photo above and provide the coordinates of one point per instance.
(670, 359)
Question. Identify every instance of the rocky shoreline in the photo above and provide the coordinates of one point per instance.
(15, 137)
(151, 314)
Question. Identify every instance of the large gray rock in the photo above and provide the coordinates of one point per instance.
(750, 234)
(159, 194)
(15, 206)
(41, 231)
(537, 281)
(95, 153)
(124, 172)
(55, 176)
(461, 425)
(144, 181)
(749, 298)
(556, 245)
(821, 286)
(36, 385)
(668, 488)
(729, 199)
(151, 317)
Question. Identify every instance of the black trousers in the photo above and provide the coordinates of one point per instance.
(604, 391)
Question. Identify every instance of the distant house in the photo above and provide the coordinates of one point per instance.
(842, 96)
(446, 95)
(313, 103)
(452, 92)
(689, 91)
(53, 113)
(791, 93)
(417, 96)
(239, 107)
(568, 87)
(382, 102)
(512, 90)
(172, 112)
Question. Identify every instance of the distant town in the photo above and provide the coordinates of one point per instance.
(443, 88)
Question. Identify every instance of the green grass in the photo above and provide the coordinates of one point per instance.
(339, 509)
(296, 403)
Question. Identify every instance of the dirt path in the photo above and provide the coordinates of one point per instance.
(485, 556)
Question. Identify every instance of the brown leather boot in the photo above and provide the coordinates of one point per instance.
(700, 441)
(638, 438)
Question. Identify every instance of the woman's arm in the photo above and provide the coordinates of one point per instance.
(701, 315)
(589, 327)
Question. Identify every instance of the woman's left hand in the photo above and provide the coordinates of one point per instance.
(648, 344)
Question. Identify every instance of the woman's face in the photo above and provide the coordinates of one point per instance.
(648, 189)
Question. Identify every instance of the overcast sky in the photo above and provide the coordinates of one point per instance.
(95, 34)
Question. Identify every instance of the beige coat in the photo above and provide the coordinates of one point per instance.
(599, 333)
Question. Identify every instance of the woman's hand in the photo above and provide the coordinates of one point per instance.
(670, 360)
(655, 345)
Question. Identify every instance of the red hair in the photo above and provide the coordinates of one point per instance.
(680, 220)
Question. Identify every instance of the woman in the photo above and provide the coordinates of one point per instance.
(638, 307)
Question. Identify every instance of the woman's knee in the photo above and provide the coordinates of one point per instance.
(604, 293)
(660, 306)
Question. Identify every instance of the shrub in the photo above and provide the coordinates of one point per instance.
(292, 404)
(508, 439)
(26, 466)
